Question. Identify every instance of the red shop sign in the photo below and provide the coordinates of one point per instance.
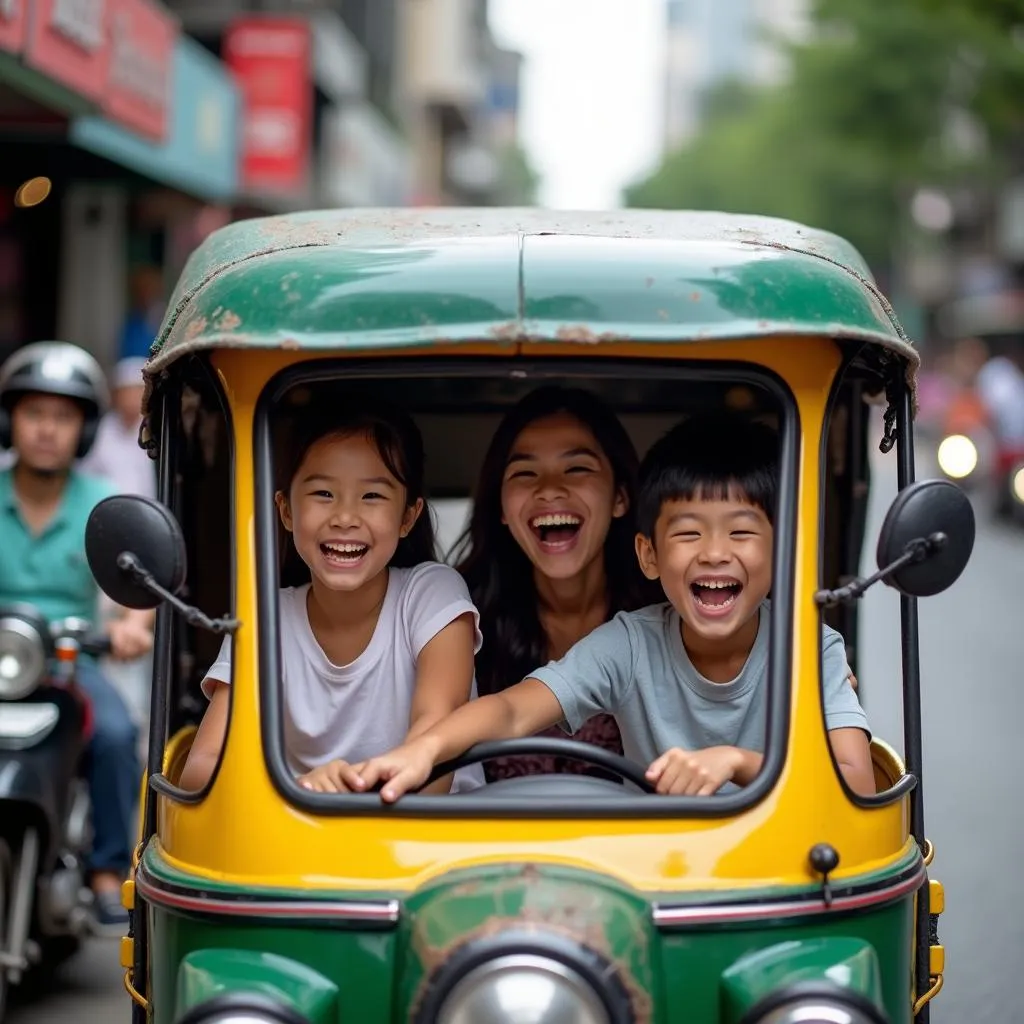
(12, 25)
(67, 40)
(270, 59)
(142, 36)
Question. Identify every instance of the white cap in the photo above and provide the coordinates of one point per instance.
(128, 373)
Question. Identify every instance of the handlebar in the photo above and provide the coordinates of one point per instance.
(96, 645)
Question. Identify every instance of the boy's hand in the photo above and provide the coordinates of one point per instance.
(333, 777)
(404, 768)
(694, 772)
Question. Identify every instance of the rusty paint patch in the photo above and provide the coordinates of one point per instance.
(579, 333)
(506, 332)
(575, 912)
(229, 321)
(195, 327)
(291, 344)
(695, 297)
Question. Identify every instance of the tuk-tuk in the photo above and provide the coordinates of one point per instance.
(789, 900)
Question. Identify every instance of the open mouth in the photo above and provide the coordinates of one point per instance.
(715, 594)
(345, 553)
(556, 530)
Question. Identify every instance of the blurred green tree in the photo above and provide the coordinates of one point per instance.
(882, 98)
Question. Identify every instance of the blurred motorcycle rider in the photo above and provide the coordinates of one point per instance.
(52, 396)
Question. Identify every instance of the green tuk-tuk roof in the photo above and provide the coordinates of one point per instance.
(346, 279)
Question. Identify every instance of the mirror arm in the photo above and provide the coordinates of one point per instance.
(127, 562)
(916, 551)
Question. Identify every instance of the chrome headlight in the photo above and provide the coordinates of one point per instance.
(22, 657)
(523, 988)
(242, 1008)
(816, 1005)
(958, 456)
(814, 1011)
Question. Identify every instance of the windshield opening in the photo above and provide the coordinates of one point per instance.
(402, 518)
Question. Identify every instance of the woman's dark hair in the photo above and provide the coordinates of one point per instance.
(498, 573)
(712, 456)
(400, 445)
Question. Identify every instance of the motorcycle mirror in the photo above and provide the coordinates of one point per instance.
(926, 509)
(128, 536)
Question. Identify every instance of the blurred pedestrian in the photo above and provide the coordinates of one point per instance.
(117, 458)
(116, 455)
(146, 296)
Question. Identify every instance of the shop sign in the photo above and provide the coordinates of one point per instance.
(142, 38)
(67, 40)
(270, 59)
(12, 25)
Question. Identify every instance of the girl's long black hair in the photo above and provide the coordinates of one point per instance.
(400, 445)
(498, 573)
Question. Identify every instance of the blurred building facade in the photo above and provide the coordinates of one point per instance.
(143, 125)
(708, 42)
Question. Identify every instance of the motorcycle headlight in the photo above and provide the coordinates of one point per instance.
(523, 987)
(1017, 483)
(22, 658)
(958, 456)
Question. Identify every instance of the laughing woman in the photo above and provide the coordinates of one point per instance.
(549, 553)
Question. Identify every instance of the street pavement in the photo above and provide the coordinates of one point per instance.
(974, 768)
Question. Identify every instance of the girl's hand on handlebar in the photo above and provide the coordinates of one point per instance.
(404, 768)
(333, 777)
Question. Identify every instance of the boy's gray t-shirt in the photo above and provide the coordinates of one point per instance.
(636, 668)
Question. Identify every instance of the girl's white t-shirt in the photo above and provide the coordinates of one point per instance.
(356, 711)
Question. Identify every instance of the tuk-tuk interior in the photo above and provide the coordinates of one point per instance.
(457, 409)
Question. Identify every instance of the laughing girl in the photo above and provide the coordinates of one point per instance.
(378, 639)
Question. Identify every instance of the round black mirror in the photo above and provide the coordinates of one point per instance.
(923, 509)
(129, 523)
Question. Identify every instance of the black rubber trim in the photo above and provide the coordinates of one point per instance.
(844, 997)
(602, 975)
(476, 804)
(238, 1003)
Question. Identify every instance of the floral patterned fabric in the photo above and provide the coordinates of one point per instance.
(601, 731)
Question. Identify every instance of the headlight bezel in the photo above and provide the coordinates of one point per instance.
(228, 1007)
(32, 635)
(601, 976)
(792, 997)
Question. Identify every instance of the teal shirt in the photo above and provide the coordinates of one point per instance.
(49, 569)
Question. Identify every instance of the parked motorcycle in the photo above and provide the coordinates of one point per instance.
(45, 812)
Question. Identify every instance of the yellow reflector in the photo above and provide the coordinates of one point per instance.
(936, 897)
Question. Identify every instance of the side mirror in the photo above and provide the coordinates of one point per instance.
(148, 534)
(924, 510)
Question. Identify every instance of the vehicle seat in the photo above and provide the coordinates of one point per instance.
(888, 765)
(176, 752)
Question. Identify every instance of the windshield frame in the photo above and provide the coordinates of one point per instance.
(475, 804)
